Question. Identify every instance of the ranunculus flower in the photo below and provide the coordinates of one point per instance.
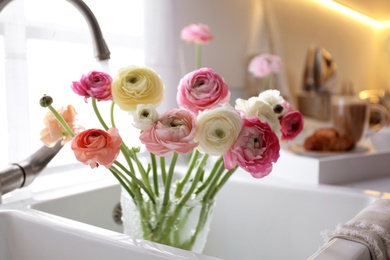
(145, 116)
(291, 125)
(95, 84)
(174, 131)
(202, 89)
(255, 150)
(265, 64)
(137, 85)
(217, 129)
(254, 106)
(53, 130)
(197, 33)
(96, 146)
(272, 97)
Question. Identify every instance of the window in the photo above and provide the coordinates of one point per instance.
(44, 51)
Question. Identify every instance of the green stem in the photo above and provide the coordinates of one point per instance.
(143, 173)
(169, 178)
(112, 114)
(204, 214)
(222, 182)
(213, 183)
(154, 170)
(165, 203)
(137, 181)
(62, 121)
(124, 149)
(119, 176)
(126, 152)
(216, 168)
(198, 55)
(195, 181)
(180, 184)
(163, 169)
(266, 82)
(95, 108)
(167, 224)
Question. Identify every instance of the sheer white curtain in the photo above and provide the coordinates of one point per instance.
(46, 45)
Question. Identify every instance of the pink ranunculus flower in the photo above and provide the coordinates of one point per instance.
(265, 64)
(197, 33)
(291, 125)
(53, 130)
(95, 84)
(255, 149)
(95, 146)
(173, 132)
(202, 89)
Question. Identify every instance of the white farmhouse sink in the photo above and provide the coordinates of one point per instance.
(253, 219)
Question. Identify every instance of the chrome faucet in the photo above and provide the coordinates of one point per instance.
(21, 174)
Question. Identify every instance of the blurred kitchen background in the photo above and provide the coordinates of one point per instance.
(45, 44)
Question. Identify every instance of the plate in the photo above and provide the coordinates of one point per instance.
(299, 149)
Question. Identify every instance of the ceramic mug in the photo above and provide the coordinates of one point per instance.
(353, 117)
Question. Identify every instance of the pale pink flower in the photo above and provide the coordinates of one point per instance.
(291, 125)
(53, 130)
(173, 132)
(95, 146)
(255, 150)
(202, 89)
(197, 33)
(265, 64)
(95, 84)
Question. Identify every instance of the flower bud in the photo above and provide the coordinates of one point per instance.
(46, 101)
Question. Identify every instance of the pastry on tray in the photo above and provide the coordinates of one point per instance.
(328, 139)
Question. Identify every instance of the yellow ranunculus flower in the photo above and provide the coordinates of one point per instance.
(135, 85)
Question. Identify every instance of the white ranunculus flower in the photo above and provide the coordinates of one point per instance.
(271, 96)
(144, 116)
(264, 111)
(241, 104)
(217, 130)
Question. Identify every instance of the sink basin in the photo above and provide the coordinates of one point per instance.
(253, 219)
(28, 235)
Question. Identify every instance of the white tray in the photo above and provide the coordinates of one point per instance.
(338, 168)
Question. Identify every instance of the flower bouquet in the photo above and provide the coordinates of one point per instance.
(166, 201)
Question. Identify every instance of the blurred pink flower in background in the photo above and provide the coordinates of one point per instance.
(265, 64)
(95, 84)
(196, 33)
(96, 146)
(202, 89)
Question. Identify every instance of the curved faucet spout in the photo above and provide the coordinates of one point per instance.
(100, 47)
(99, 44)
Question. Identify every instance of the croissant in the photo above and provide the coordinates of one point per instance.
(328, 139)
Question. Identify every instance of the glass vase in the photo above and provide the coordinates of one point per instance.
(181, 226)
